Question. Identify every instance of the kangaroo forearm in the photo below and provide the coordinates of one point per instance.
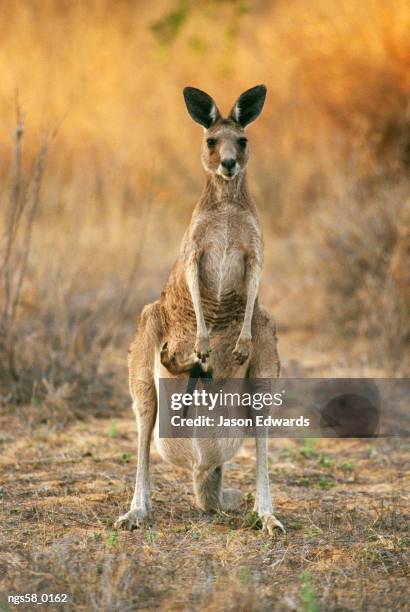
(253, 274)
(193, 286)
(252, 293)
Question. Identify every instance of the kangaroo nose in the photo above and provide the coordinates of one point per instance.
(229, 164)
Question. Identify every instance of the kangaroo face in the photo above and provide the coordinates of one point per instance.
(225, 146)
(225, 150)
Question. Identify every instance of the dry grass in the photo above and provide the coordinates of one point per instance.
(343, 506)
(329, 170)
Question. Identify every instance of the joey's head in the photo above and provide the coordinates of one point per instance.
(224, 150)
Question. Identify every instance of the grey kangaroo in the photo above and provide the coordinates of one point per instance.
(208, 318)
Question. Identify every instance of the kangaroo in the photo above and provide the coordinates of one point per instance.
(208, 321)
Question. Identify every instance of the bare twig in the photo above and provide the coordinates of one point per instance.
(138, 255)
(145, 218)
(16, 208)
(40, 164)
(23, 208)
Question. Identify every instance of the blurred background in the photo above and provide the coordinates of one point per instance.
(100, 172)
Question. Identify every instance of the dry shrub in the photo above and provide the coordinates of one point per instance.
(19, 214)
(358, 237)
(56, 324)
(60, 361)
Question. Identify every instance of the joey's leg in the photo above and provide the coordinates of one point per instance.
(244, 343)
(208, 487)
(145, 405)
(177, 364)
(209, 493)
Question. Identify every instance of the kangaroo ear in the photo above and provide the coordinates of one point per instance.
(200, 106)
(249, 105)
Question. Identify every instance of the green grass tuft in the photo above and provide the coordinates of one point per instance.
(308, 597)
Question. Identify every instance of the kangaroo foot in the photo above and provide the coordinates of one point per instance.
(270, 523)
(132, 519)
(175, 363)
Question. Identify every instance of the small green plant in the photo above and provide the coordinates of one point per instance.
(296, 525)
(348, 466)
(326, 461)
(112, 538)
(313, 531)
(250, 498)
(253, 520)
(113, 429)
(308, 449)
(125, 457)
(245, 575)
(326, 484)
(308, 596)
(150, 536)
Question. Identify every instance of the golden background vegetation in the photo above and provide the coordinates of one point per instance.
(329, 166)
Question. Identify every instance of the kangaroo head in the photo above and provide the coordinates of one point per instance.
(225, 146)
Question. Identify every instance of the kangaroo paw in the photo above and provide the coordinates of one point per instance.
(242, 349)
(202, 348)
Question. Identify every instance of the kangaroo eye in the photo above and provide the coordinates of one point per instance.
(242, 142)
(211, 142)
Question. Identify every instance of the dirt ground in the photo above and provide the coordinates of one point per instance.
(343, 503)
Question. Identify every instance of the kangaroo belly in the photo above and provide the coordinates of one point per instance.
(222, 271)
(223, 294)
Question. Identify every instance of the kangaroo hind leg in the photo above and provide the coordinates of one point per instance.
(141, 371)
(264, 364)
